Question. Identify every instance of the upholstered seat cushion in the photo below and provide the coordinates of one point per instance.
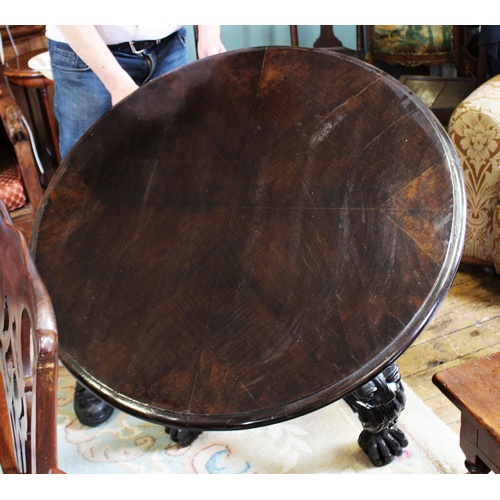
(475, 131)
(11, 187)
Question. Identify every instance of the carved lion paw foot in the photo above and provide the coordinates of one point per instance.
(183, 437)
(381, 447)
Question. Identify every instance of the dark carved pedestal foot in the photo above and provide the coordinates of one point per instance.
(183, 437)
(378, 404)
(382, 447)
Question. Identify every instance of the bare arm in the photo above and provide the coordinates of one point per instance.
(90, 47)
(209, 41)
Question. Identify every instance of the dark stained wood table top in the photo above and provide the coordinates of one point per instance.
(250, 237)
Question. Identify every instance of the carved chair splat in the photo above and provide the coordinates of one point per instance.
(28, 360)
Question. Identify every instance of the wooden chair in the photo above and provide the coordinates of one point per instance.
(20, 186)
(28, 360)
(328, 40)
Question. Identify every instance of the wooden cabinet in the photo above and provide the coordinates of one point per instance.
(25, 38)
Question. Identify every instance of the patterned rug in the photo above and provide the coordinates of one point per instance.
(323, 442)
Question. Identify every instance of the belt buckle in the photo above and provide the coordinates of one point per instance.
(134, 50)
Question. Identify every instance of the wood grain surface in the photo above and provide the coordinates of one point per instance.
(250, 237)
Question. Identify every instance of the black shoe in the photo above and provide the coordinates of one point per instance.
(89, 409)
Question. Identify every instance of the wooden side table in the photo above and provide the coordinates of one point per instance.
(440, 94)
(18, 72)
(474, 389)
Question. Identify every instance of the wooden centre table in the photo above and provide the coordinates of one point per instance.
(250, 238)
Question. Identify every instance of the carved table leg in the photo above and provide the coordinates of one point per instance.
(378, 404)
(181, 436)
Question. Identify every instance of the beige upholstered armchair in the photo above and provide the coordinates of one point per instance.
(474, 129)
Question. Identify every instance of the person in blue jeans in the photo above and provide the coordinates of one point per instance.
(94, 68)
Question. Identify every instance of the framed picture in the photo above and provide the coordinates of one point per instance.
(412, 45)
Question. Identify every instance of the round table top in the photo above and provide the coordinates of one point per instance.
(250, 237)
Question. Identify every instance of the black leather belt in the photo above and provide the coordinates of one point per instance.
(135, 47)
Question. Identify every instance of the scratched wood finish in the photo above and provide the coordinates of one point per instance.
(250, 237)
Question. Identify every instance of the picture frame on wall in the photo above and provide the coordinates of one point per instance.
(413, 45)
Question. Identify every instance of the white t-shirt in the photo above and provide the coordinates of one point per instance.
(112, 34)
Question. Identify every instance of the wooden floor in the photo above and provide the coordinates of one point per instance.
(466, 327)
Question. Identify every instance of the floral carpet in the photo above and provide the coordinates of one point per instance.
(323, 442)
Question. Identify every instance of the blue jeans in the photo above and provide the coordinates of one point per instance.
(80, 98)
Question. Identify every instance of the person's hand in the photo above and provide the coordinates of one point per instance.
(121, 89)
(209, 41)
(90, 47)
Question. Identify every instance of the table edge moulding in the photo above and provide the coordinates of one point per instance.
(277, 225)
